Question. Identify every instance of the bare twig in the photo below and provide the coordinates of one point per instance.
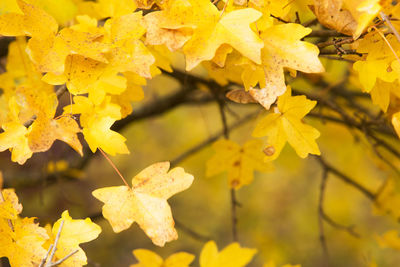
(212, 139)
(338, 174)
(54, 248)
(386, 19)
(322, 237)
(64, 259)
(191, 232)
(349, 229)
(48, 261)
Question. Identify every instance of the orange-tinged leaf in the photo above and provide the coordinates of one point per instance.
(43, 133)
(73, 233)
(240, 96)
(174, 39)
(331, 15)
(146, 202)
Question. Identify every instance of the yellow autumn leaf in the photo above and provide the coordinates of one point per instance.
(73, 233)
(381, 92)
(96, 121)
(272, 264)
(63, 11)
(15, 139)
(364, 12)
(380, 61)
(146, 202)
(147, 258)
(282, 49)
(174, 39)
(114, 8)
(388, 200)
(213, 28)
(239, 162)
(231, 256)
(390, 239)
(395, 123)
(9, 206)
(22, 245)
(285, 125)
(43, 133)
(350, 17)
(34, 22)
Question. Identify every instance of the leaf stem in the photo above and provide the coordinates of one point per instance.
(115, 167)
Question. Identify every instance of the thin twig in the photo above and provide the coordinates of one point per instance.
(234, 217)
(349, 229)
(52, 249)
(47, 255)
(338, 174)
(322, 237)
(212, 139)
(192, 233)
(64, 259)
(386, 19)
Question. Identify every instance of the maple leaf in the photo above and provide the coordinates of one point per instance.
(96, 121)
(15, 139)
(129, 53)
(272, 264)
(73, 233)
(350, 17)
(239, 162)
(146, 202)
(380, 61)
(390, 239)
(285, 125)
(148, 258)
(44, 132)
(281, 50)
(212, 29)
(9, 206)
(22, 245)
(388, 200)
(231, 256)
(34, 22)
(115, 8)
(380, 93)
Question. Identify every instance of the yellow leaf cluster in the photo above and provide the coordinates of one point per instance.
(25, 243)
(231, 256)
